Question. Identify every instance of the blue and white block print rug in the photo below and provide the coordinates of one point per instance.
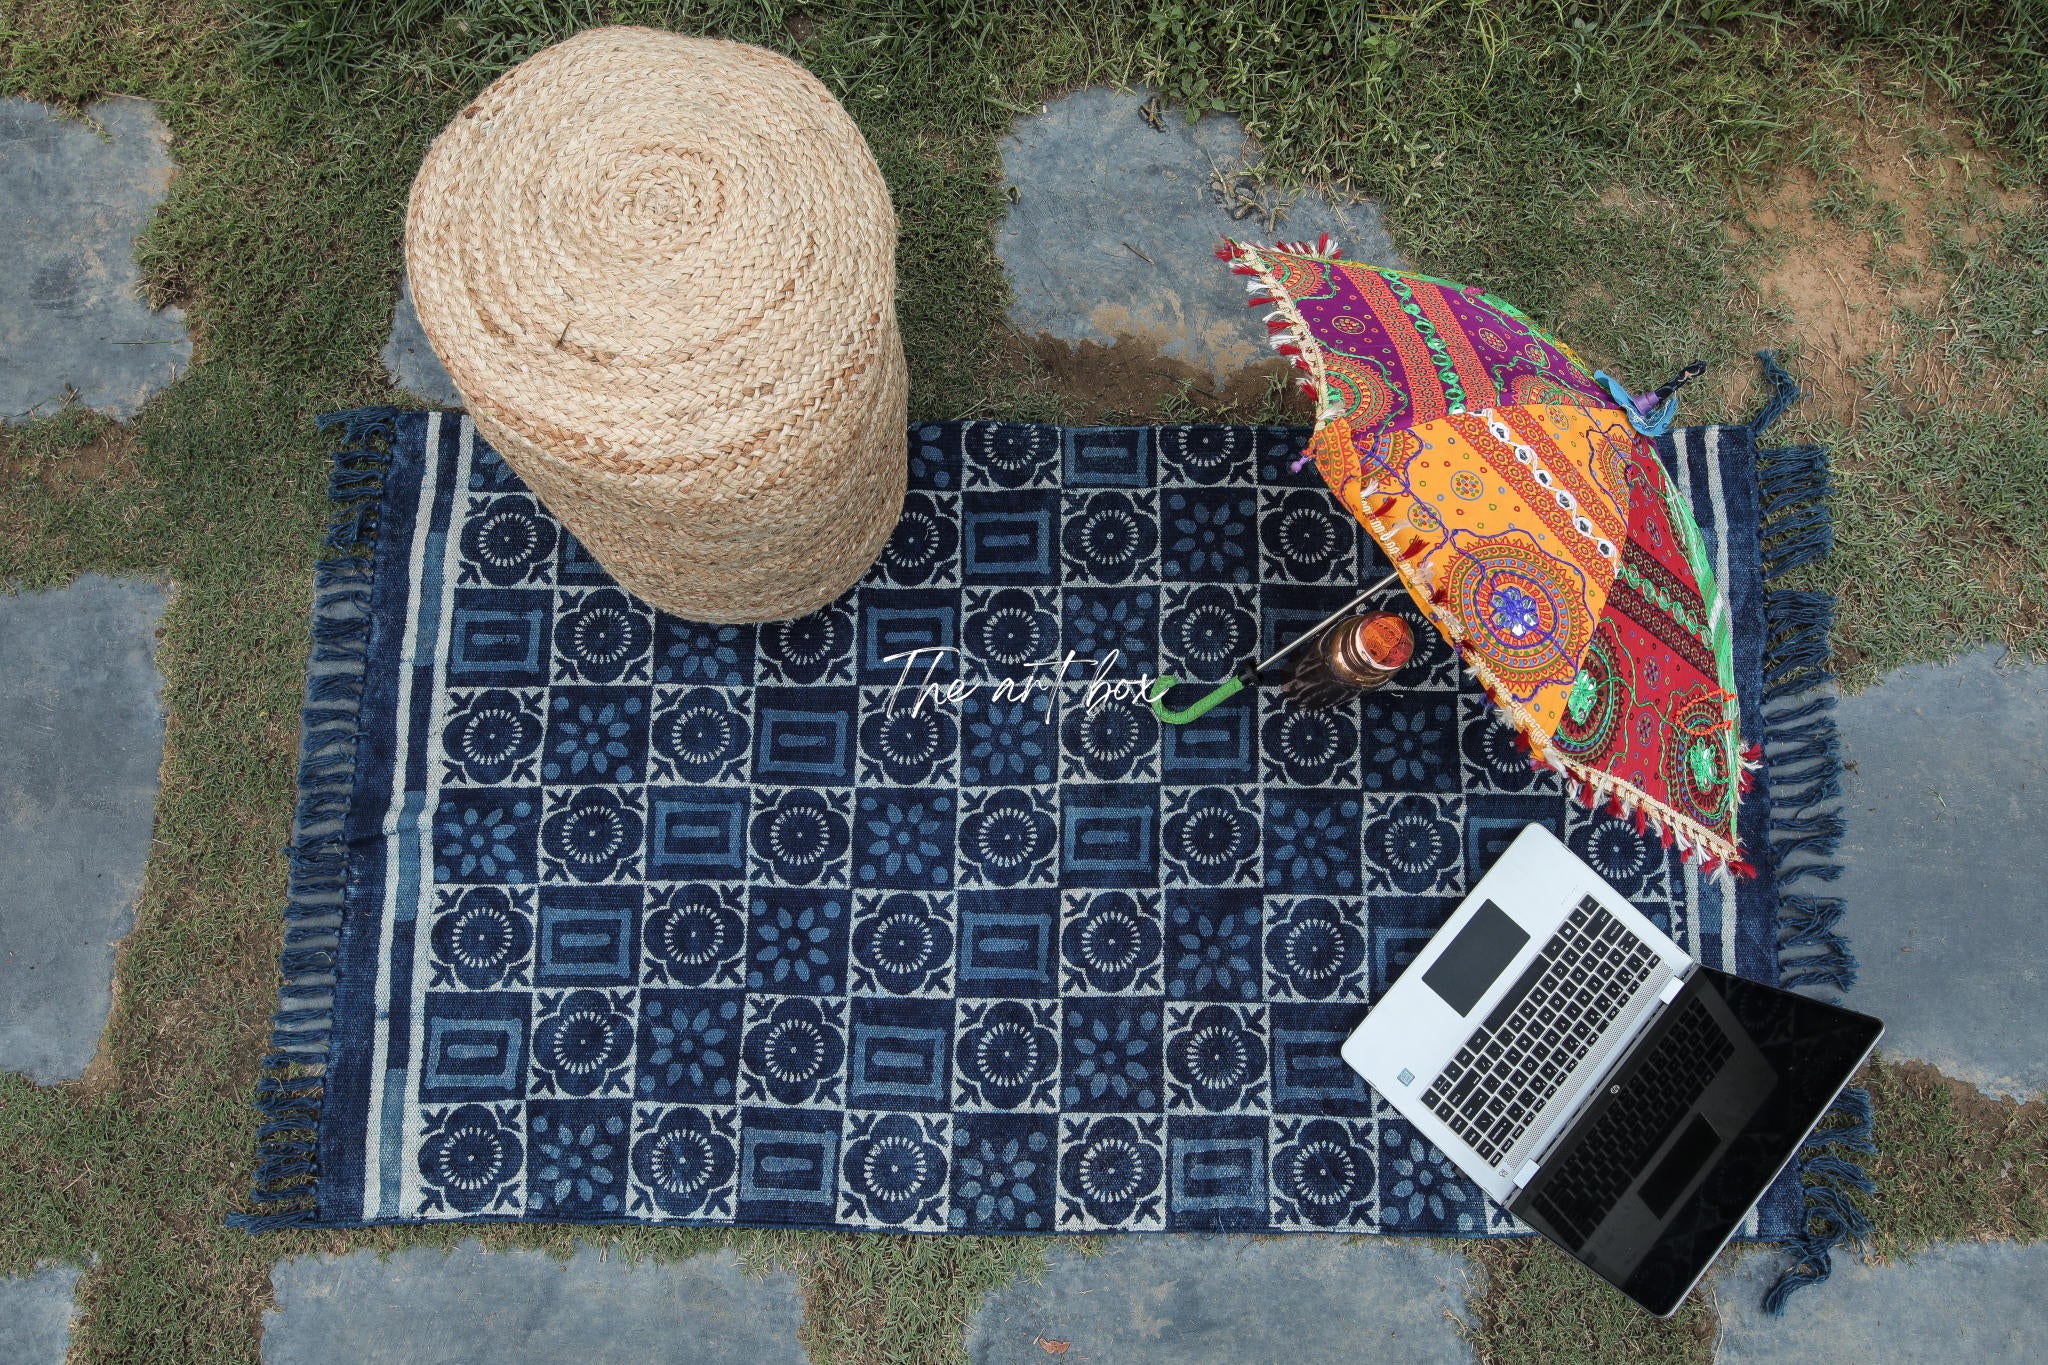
(906, 914)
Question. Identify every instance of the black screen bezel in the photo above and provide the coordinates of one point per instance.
(1815, 1048)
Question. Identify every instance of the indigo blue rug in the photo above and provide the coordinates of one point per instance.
(907, 914)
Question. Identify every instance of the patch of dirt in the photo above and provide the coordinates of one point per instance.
(1973, 1108)
(1961, 1162)
(102, 1074)
(110, 451)
(1134, 380)
(1847, 247)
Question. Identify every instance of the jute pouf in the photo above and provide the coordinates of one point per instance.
(661, 270)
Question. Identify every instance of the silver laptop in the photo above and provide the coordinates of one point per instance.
(1622, 1099)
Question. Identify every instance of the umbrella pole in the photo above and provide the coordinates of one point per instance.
(1247, 675)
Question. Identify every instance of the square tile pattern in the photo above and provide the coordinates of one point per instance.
(813, 923)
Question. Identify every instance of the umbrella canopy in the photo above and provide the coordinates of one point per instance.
(1532, 523)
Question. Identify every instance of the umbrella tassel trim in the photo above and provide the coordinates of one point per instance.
(1411, 552)
(1285, 324)
(1591, 788)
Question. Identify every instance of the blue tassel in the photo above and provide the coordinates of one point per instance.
(1784, 393)
(272, 1130)
(1820, 845)
(359, 427)
(1803, 751)
(1808, 919)
(291, 1091)
(335, 687)
(1787, 475)
(1817, 872)
(1827, 1177)
(1834, 970)
(272, 1222)
(340, 570)
(1826, 788)
(1792, 715)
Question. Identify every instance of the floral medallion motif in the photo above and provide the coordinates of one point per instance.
(583, 1042)
(694, 936)
(592, 836)
(1112, 1173)
(483, 937)
(1216, 1059)
(895, 1171)
(602, 637)
(794, 1052)
(683, 1162)
(1112, 940)
(1007, 1054)
(1008, 837)
(492, 737)
(1323, 1173)
(1315, 948)
(903, 943)
(470, 1159)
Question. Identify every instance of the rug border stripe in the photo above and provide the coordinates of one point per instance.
(292, 1090)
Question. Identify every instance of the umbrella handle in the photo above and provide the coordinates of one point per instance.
(1229, 688)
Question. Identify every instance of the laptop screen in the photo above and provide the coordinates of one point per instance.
(1673, 1211)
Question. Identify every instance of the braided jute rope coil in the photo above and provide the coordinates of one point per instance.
(662, 272)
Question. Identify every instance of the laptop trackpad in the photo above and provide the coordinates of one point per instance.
(1480, 953)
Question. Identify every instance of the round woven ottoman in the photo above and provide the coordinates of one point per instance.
(661, 270)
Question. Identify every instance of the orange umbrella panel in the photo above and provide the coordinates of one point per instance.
(1531, 522)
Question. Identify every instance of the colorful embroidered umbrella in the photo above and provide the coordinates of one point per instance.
(1532, 522)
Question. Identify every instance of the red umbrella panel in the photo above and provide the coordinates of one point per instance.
(1532, 524)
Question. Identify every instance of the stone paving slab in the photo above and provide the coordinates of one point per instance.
(1099, 191)
(81, 739)
(426, 1307)
(35, 1316)
(1231, 1300)
(1968, 1302)
(1945, 866)
(72, 203)
(410, 360)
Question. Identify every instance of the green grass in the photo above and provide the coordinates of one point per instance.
(1540, 1307)
(1952, 1164)
(1955, 492)
(1580, 158)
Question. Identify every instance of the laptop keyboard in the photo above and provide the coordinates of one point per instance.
(1647, 1107)
(1541, 1029)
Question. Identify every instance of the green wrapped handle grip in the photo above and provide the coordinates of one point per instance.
(1229, 688)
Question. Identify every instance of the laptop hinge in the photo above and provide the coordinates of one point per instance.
(1668, 992)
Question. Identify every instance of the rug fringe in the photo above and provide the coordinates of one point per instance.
(1831, 1212)
(292, 1089)
(1806, 824)
(1785, 391)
